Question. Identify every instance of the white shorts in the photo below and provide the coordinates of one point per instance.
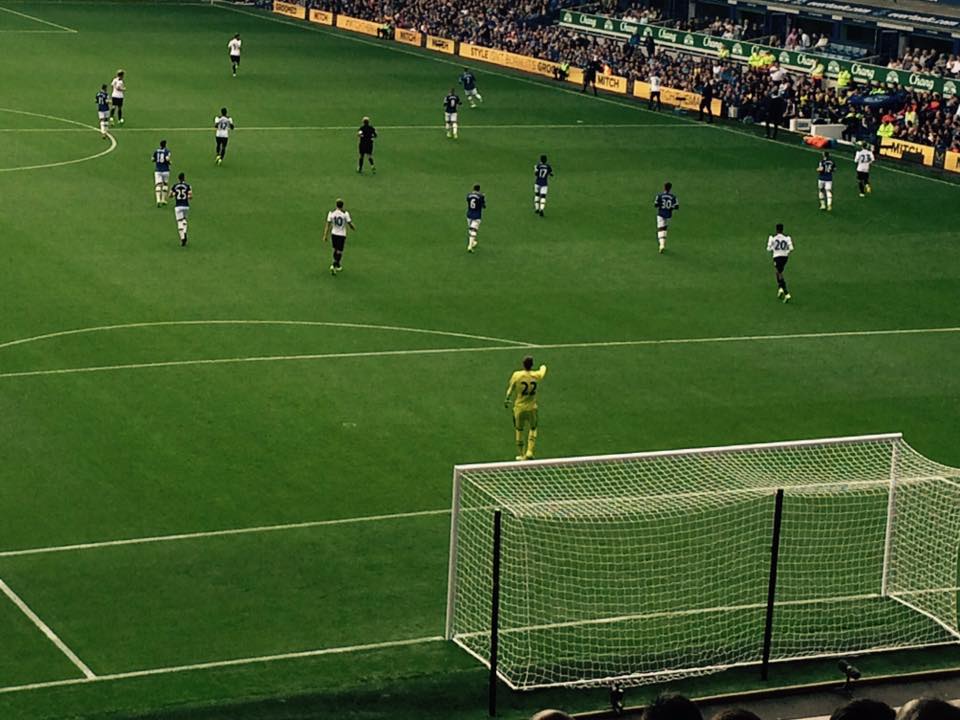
(450, 117)
(103, 114)
(662, 222)
(473, 93)
(473, 224)
(180, 212)
(161, 177)
(825, 184)
(539, 189)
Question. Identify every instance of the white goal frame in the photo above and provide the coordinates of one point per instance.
(883, 591)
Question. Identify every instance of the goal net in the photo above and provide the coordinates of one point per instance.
(655, 566)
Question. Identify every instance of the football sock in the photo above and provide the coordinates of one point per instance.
(531, 443)
(120, 114)
(158, 191)
(337, 255)
(829, 198)
(182, 229)
(360, 164)
(519, 435)
(455, 129)
(543, 202)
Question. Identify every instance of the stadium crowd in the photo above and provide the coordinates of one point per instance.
(928, 61)
(677, 707)
(749, 92)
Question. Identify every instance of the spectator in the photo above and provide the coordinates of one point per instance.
(928, 709)
(736, 714)
(864, 710)
(674, 707)
(551, 715)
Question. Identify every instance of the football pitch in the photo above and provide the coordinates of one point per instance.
(226, 473)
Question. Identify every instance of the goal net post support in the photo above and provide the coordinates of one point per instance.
(650, 567)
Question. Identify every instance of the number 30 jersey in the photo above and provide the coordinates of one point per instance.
(524, 384)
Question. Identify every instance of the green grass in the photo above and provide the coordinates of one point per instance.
(137, 452)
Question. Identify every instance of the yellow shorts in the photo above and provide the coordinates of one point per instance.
(525, 419)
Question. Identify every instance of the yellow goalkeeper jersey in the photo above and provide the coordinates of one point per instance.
(523, 388)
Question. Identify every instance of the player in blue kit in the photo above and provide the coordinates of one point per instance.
(542, 172)
(469, 82)
(103, 110)
(476, 203)
(825, 181)
(666, 204)
(161, 173)
(450, 104)
(182, 194)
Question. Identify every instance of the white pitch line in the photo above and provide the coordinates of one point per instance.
(45, 629)
(63, 28)
(226, 663)
(344, 128)
(485, 68)
(111, 148)
(221, 533)
(488, 348)
(308, 323)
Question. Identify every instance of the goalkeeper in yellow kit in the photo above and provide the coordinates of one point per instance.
(523, 390)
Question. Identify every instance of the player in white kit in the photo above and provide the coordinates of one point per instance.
(222, 124)
(234, 48)
(654, 90)
(780, 246)
(864, 159)
(118, 88)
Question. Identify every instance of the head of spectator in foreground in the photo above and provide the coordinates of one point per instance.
(672, 707)
(551, 715)
(928, 709)
(864, 709)
(736, 714)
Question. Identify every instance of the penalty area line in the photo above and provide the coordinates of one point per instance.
(222, 533)
(488, 348)
(368, 647)
(88, 674)
(61, 28)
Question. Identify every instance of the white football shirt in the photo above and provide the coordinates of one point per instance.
(780, 245)
(864, 159)
(223, 123)
(654, 83)
(338, 220)
(118, 87)
(234, 46)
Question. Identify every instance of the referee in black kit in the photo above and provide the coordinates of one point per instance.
(366, 133)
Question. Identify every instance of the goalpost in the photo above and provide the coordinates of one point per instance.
(655, 566)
